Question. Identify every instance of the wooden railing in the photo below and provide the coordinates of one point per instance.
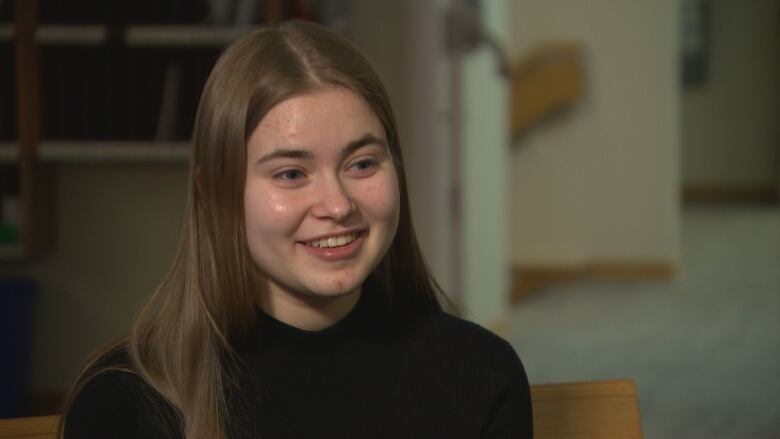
(548, 79)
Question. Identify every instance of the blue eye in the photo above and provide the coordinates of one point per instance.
(364, 165)
(289, 175)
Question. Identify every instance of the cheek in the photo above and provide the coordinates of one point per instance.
(268, 211)
(381, 200)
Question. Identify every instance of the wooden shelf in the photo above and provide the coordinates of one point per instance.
(9, 153)
(114, 152)
(174, 36)
(92, 151)
(11, 252)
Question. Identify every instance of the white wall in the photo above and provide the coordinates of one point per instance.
(601, 182)
(730, 123)
(484, 182)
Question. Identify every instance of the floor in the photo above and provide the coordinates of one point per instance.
(704, 349)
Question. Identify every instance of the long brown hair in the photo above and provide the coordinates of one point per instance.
(180, 343)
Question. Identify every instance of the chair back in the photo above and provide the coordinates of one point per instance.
(37, 427)
(588, 410)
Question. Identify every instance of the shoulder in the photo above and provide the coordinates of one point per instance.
(465, 336)
(469, 348)
(489, 363)
(116, 403)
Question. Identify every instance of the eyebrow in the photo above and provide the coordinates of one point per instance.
(368, 139)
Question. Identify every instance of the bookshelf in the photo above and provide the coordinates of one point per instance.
(21, 189)
(167, 36)
(88, 81)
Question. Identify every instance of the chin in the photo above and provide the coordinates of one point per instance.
(333, 291)
(335, 287)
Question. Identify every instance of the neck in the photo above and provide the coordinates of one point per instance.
(307, 312)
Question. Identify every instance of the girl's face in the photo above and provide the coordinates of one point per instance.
(321, 201)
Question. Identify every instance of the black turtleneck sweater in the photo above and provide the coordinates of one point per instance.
(374, 374)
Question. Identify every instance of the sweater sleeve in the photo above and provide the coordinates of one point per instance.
(116, 404)
(510, 414)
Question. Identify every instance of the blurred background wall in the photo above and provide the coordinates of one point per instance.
(730, 125)
(117, 226)
(600, 182)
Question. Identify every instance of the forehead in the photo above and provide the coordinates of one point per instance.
(325, 118)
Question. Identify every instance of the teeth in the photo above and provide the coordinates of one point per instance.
(333, 241)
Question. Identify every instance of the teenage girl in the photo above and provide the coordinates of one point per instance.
(298, 304)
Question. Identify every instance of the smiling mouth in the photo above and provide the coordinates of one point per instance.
(333, 241)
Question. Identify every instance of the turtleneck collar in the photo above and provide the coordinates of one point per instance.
(270, 327)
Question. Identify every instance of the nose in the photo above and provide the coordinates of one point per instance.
(332, 200)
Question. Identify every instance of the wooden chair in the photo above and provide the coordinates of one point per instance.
(38, 427)
(592, 410)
